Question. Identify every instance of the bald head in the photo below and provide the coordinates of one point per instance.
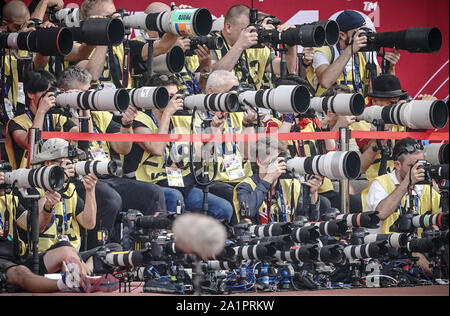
(221, 81)
(15, 13)
(157, 7)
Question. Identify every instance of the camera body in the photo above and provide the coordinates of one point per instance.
(433, 172)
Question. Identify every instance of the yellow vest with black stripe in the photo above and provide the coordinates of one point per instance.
(25, 122)
(257, 60)
(191, 63)
(286, 185)
(102, 120)
(310, 72)
(372, 171)
(152, 167)
(236, 125)
(7, 204)
(389, 186)
(106, 74)
(11, 72)
(49, 236)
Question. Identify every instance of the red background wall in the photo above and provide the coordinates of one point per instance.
(414, 70)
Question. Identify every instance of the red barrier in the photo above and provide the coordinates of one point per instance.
(430, 136)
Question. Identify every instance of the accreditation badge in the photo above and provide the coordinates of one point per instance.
(233, 167)
(174, 177)
(99, 154)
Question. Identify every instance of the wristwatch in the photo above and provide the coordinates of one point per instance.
(204, 75)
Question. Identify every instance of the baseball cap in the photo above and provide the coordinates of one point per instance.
(349, 20)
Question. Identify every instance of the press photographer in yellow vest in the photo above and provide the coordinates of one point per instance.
(268, 196)
(65, 212)
(392, 193)
(345, 63)
(39, 87)
(248, 64)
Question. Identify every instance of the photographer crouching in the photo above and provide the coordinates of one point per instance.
(267, 196)
(399, 193)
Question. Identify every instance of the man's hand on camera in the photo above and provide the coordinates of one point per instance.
(46, 103)
(314, 184)
(359, 41)
(51, 199)
(128, 116)
(393, 57)
(218, 121)
(69, 168)
(57, 4)
(416, 174)
(275, 170)
(247, 39)
(204, 58)
(2, 178)
(175, 104)
(184, 43)
(89, 182)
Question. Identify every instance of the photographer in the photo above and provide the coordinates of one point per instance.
(160, 158)
(113, 193)
(39, 87)
(388, 194)
(15, 19)
(248, 64)
(387, 91)
(106, 63)
(61, 257)
(344, 63)
(267, 196)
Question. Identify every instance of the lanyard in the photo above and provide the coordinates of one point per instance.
(96, 132)
(356, 77)
(230, 128)
(283, 206)
(403, 209)
(66, 226)
(157, 126)
(194, 81)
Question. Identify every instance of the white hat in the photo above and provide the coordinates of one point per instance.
(54, 148)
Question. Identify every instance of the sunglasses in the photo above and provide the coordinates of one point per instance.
(409, 149)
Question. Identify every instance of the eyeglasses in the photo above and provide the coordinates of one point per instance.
(409, 149)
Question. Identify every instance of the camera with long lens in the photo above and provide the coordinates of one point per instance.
(220, 102)
(304, 35)
(364, 219)
(424, 245)
(417, 114)
(212, 42)
(47, 178)
(427, 221)
(331, 30)
(148, 98)
(437, 154)
(99, 31)
(334, 165)
(54, 41)
(70, 17)
(414, 40)
(403, 224)
(276, 229)
(95, 100)
(181, 22)
(262, 251)
(305, 253)
(170, 63)
(97, 167)
(283, 99)
(374, 250)
(341, 104)
(335, 228)
(396, 240)
(331, 254)
(433, 172)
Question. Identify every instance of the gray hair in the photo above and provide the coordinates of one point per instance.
(73, 74)
(217, 79)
